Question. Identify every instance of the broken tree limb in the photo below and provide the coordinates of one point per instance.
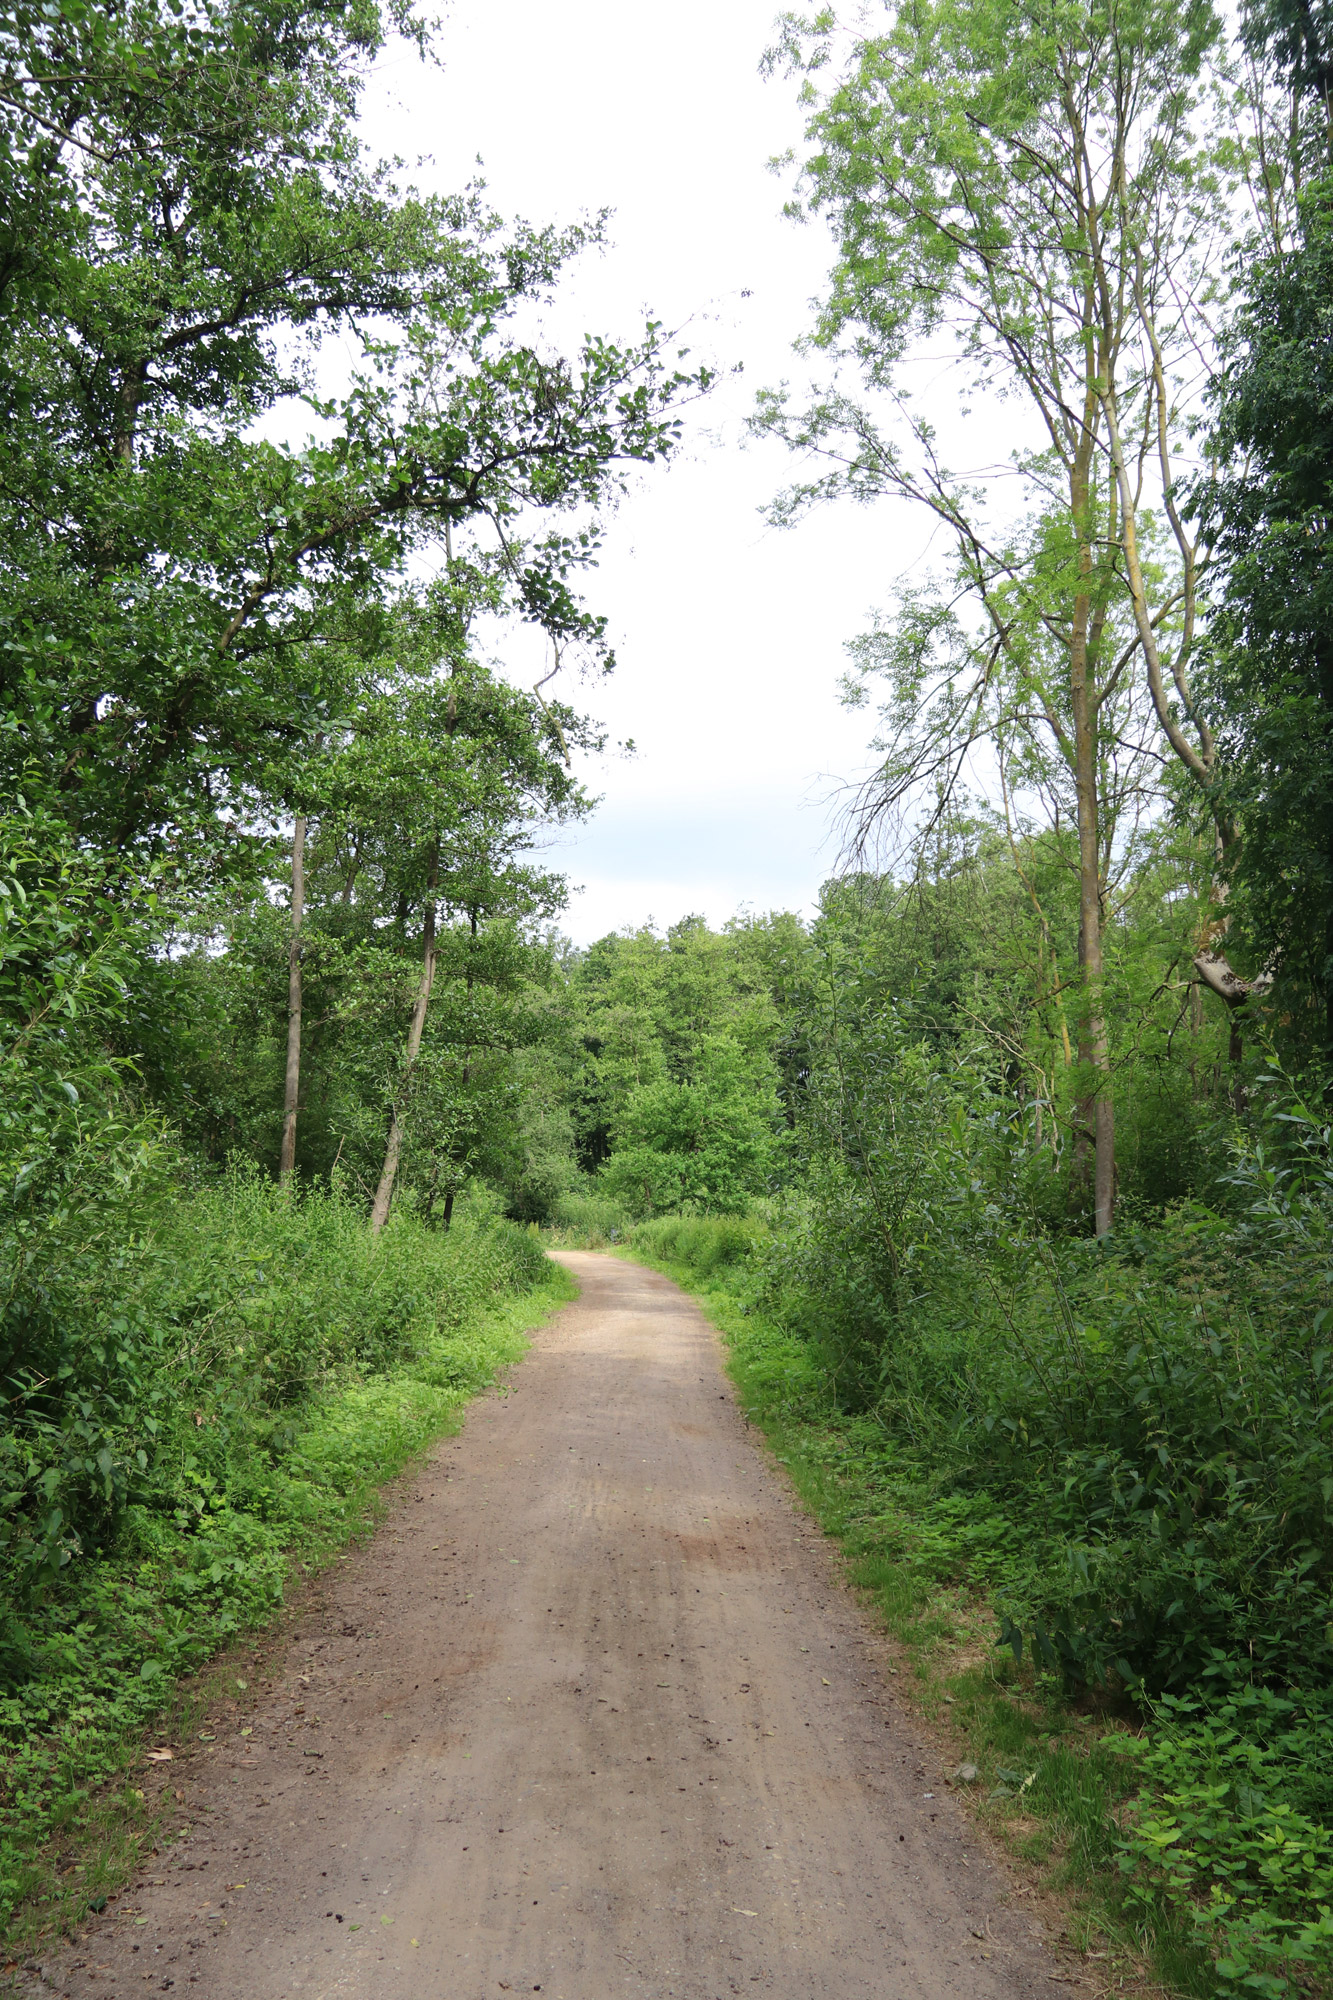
(1229, 986)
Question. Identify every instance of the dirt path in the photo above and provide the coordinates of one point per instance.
(590, 1718)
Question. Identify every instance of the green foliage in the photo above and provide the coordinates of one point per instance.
(537, 1172)
(77, 1164)
(177, 583)
(704, 1246)
(1236, 1826)
(675, 1097)
(1272, 666)
(590, 1220)
(1122, 1448)
(707, 1143)
(1156, 1414)
(428, 807)
(273, 1366)
(241, 1308)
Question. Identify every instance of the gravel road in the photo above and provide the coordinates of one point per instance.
(591, 1717)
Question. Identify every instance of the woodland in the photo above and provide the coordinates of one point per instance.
(1009, 1168)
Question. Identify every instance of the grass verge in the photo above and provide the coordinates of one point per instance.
(75, 1822)
(1049, 1778)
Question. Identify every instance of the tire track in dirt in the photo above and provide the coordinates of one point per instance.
(591, 1717)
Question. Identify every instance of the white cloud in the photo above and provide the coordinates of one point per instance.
(729, 634)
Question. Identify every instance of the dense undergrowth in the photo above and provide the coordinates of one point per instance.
(1117, 1458)
(227, 1393)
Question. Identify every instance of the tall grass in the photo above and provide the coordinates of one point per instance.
(582, 1220)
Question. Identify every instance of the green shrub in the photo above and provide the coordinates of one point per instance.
(1234, 1828)
(262, 1365)
(702, 1245)
(1157, 1411)
(589, 1220)
(223, 1309)
(1127, 1447)
(707, 1143)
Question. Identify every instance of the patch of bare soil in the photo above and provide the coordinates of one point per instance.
(591, 1717)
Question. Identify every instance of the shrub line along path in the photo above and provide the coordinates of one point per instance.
(592, 1717)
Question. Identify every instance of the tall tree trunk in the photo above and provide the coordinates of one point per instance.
(379, 1214)
(1094, 1047)
(1096, 1106)
(292, 1089)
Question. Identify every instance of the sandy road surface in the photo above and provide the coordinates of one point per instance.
(592, 1718)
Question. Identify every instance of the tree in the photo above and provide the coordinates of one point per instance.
(1267, 504)
(206, 220)
(291, 1095)
(675, 1099)
(707, 1144)
(427, 810)
(1031, 182)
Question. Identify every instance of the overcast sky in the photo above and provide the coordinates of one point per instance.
(729, 634)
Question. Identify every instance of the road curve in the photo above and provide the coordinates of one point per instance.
(590, 1717)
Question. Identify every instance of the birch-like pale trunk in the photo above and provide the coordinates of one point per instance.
(1086, 633)
(1093, 1043)
(379, 1214)
(292, 1086)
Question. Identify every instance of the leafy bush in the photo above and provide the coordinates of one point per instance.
(707, 1143)
(78, 1164)
(1127, 1447)
(249, 1369)
(1155, 1413)
(1236, 1828)
(589, 1220)
(701, 1245)
(229, 1306)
